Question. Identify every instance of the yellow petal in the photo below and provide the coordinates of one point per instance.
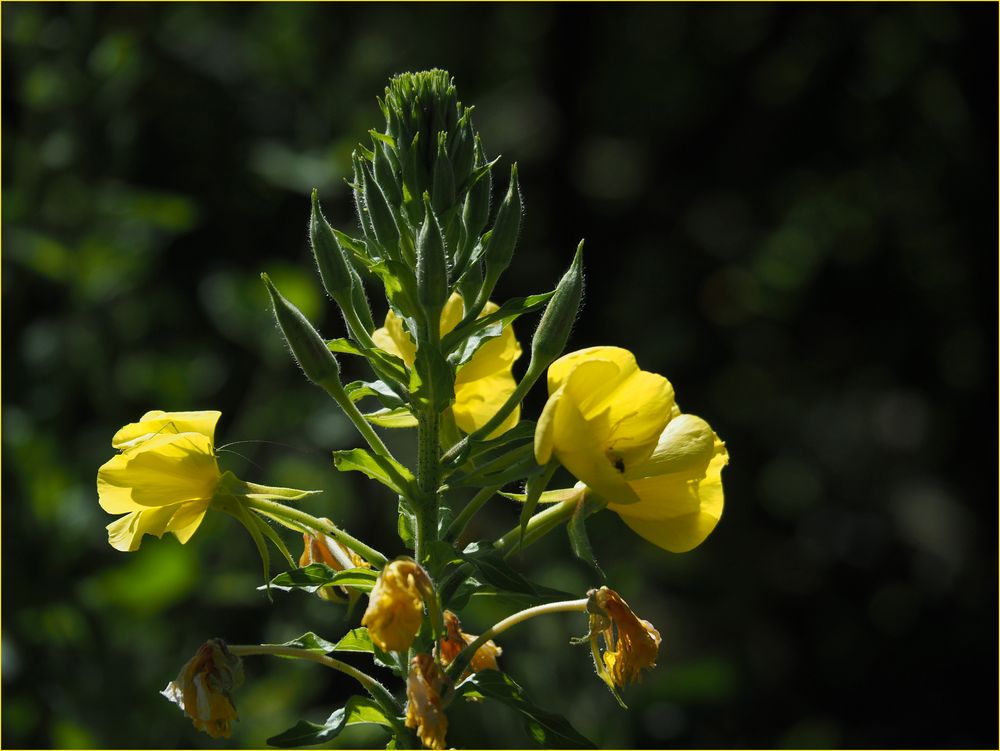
(158, 422)
(677, 511)
(580, 446)
(559, 370)
(452, 313)
(126, 533)
(685, 446)
(545, 429)
(495, 356)
(161, 471)
(477, 401)
(395, 339)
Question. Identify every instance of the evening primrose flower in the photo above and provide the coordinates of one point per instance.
(483, 384)
(619, 431)
(167, 475)
(630, 643)
(321, 548)
(456, 640)
(424, 713)
(396, 605)
(164, 478)
(203, 688)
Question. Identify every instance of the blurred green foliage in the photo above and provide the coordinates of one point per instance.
(789, 211)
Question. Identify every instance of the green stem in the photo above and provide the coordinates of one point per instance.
(428, 479)
(463, 658)
(334, 388)
(299, 520)
(379, 693)
(457, 526)
(356, 327)
(530, 377)
(538, 526)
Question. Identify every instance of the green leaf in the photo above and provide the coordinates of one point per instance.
(576, 528)
(387, 471)
(316, 575)
(383, 363)
(388, 398)
(495, 571)
(504, 315)
(545, 728)
(515, 464)
(355, 640)
(358, 710)
(400, 417)
(476, 453)
(308, 642)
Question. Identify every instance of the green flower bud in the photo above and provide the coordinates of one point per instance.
(443, 190)
(308, 347)
(557, 320)
(462, 150)
(432, 264)
(381, 216)
(500, 248)
(385, 174)
(333, 267)
(476, 211)
(360, 302)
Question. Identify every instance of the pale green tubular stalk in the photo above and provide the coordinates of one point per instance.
(538, 526)
(333, 387)
(378, 692)
(461, 661)
(301, 521)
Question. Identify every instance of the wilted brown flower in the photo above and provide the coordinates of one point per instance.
(456, 640)
(203, 689)
(424, 713)
(630, 643)
(396, 606)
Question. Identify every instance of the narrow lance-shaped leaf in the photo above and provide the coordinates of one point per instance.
(387, 471)
(357, 710)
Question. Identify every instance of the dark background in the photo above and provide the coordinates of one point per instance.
(790, 211)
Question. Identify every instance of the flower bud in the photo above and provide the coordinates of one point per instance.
(308, 347)
(432, 263)
(396, 605)
(560, 314)
(379, 212)
(443, 182)
(500, 248)
(476, 211)
(385, 174)
(333, 267)
(203, 688)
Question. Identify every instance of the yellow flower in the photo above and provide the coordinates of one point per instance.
(320, 548)
(396, 605)
(482, 384)
(630, 643)
(456, 640)
(424, 713)
(203, 689)
(619, 431)
(164, 478)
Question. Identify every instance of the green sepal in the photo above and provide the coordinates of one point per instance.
(387, 471)
(397, 417)
(432, 264)
(533, 491)
(500, 249)
(576, 529)
(545, 728)
(358, 710)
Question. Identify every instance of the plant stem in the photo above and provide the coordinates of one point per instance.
(355, 326)
(538, 525)
(334, 388)
(531, 375)
(298, 520)
(457, 526)
(428, 477)
(379, 693)
(463, 658)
